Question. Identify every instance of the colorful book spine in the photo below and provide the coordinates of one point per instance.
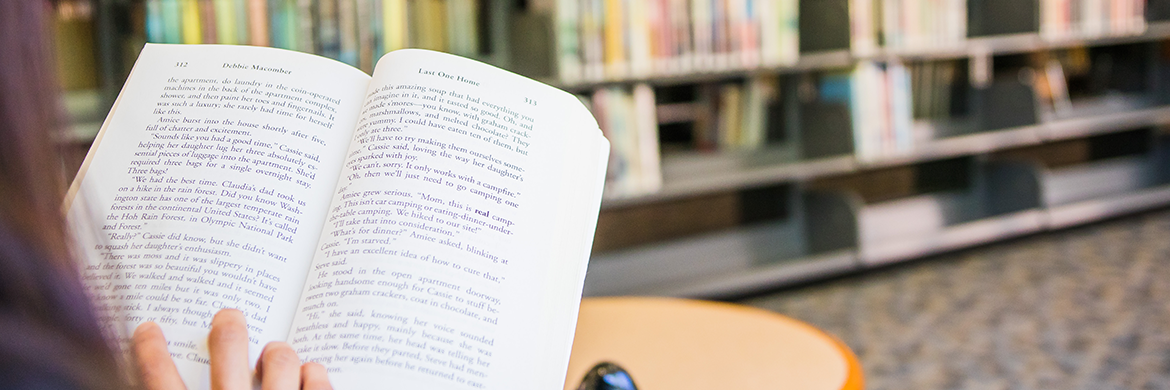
(462, 27)
(290, 20)
(680, 24)
(863, 37)
(900, 107)
(192, 27)
(304, 27)
(434, 35)
(394, 25)
(364, 37)
(258, 23)
(569, 54)
(328, 36)
(276, 24)
(703, 34)
(721, 49)
(225, 22)
(154, 22)
(207, 23)
(637, 38)
(241, 21)
(647, 152)
(375, 18)
(172, 21)
(616, 63)
(347, 32)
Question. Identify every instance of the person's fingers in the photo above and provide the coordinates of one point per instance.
(279, 367)
(228, 346)
(155, 366)
(314, 377)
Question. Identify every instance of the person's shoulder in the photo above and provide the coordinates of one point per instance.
(23, 378)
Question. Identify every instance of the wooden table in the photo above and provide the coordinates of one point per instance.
(676, 344)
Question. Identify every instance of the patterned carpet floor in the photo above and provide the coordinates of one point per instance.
(1085, 308)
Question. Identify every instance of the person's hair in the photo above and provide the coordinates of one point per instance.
(49, 334)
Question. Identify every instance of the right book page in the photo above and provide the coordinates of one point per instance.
(455, 247)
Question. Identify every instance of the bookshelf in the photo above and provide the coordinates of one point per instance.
(796, 199)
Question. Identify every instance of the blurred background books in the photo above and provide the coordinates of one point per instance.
(760, 143)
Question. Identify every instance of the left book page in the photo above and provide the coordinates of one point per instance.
(207, 188)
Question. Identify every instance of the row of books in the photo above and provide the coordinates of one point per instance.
(601, 40)
(906, 24)
(612, 39)
(628, 119)
(936, 87)
(356, 32)
(880, 103)
(1065, 19)
(736, 115)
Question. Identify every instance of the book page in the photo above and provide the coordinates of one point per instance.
(207, 189)
(455, 247)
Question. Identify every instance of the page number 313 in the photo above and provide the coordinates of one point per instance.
(529, 102)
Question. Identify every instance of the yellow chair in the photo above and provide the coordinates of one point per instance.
(677, 344)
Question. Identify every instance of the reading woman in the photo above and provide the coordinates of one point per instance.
(49, 335)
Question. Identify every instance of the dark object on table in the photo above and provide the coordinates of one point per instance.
(607, 376)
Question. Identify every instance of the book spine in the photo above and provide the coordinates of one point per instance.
(790, 34)
(225, 22)
(891, 20)
(615, 45)
(414, 13)
(751, 57)
(451, 25)
(703, 35)
(593, 45)
(682, 48)
(569, 57)
(172, 21)
(347, 32)
(659, 35)
(327, 33)
(192, 29)
(728, 130)
(770, 29)
(305, 39)
(649, 159)
(277, 17)
(639, 30)
(722, 34)
(241, 20)
(154, 22)
(860, 112)
(258, 22)
(394, 24)
(377, 27)
(901, 110)
(364, 33)
(207, 23)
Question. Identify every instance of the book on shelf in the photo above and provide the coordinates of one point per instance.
(429, 225)
(1081, 19)
(906, 24)
(356, 32)
(628, 119)
(610, 39)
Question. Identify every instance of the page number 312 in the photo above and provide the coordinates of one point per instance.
(181, 64)
(529, 102)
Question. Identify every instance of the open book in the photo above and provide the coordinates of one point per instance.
(427, 227)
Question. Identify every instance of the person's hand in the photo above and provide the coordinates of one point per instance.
(278, 367)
